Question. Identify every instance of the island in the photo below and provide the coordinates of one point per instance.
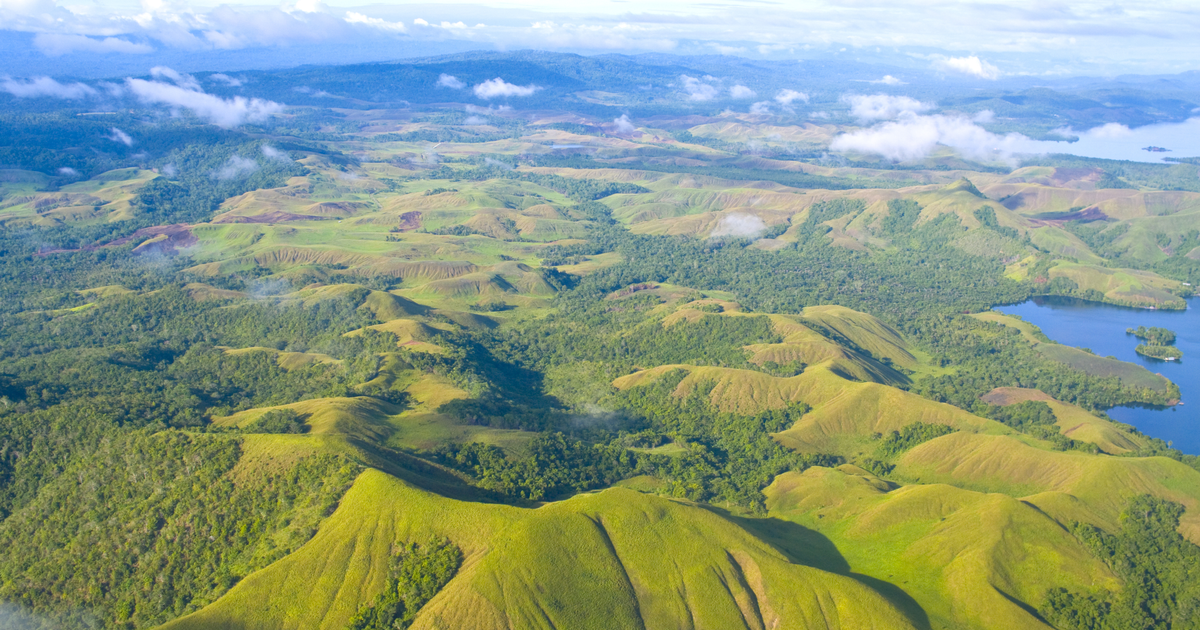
(1165, 353)
(1153, 335)
(1155, 149)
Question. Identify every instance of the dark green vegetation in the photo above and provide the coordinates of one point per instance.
(1037, 419)
(1157, 565)
(321, 373)
(1154, 335)
(416, 574)
(1166, 353)
(1159, 343)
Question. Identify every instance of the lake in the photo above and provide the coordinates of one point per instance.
(1117, 142)
(1101, 328)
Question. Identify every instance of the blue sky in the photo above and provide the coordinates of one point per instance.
(986, 40)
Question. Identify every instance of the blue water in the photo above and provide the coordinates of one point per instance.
(1116, 142)
(1101, 328)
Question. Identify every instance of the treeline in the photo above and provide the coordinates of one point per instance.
(131, 528)
(719, 456)
(1157, 567)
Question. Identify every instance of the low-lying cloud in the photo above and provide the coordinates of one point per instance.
(624, 126)
(970, 66)
(888, 80)
(383, 25)
(499, 88)
(913, 137)
(883, 106)
(739, 224)
(275, 154)
(116, 135)
(446, 80)
(787, 97)
(45, 86)
(761, 107)
(741, 91)
(226, 79)
(58, 44)
(698, 90)
(236, 166)
(185, 81)
(222, 112)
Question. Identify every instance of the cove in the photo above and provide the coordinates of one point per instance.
(1101, 328)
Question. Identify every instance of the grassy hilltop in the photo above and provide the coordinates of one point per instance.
(534, 369)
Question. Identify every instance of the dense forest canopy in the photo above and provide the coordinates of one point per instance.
(228, 353)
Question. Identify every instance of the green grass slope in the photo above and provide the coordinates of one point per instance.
(615, 559)
(969, 559)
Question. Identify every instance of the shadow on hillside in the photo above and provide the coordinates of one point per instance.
(810, 548)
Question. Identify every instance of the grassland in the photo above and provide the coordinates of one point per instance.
(965, 530)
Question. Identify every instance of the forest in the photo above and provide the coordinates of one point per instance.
(380, 350)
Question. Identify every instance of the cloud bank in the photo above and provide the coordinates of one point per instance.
(45, 86)
(971, 66)
(222, 112)
(499, 88)
(868, 107)
(914, 137)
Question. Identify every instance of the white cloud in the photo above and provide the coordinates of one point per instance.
(739, 224)
(761, 107)
(185, 81)
(971, 66)
(58, 44)
(235, 166)
(914, 137)
(226, 79)
(623, 125)
(383, 25)
(984, 116)
(45, 86)
(68, 171)
(889, 80)
(883, 106)
(787, 97)
(446, 80)
(1109, 131)
(741, 91)
(475, 120)
(499, 88)
(219, 111)
(275, 154)
(116, 135)
(488, 111)
(697, 89)
(622, 36)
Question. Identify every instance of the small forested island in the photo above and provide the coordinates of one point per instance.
(1153, 149)
(1166, 353)
(1154, 335)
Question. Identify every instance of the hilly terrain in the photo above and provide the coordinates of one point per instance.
(429, 366)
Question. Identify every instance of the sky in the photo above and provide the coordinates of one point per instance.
(985, 39)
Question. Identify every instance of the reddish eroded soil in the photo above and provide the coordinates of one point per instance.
(409, 221)
(178, 235)
(1093, 213)
(269, 217)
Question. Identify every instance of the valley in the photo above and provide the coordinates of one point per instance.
(578, 370)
